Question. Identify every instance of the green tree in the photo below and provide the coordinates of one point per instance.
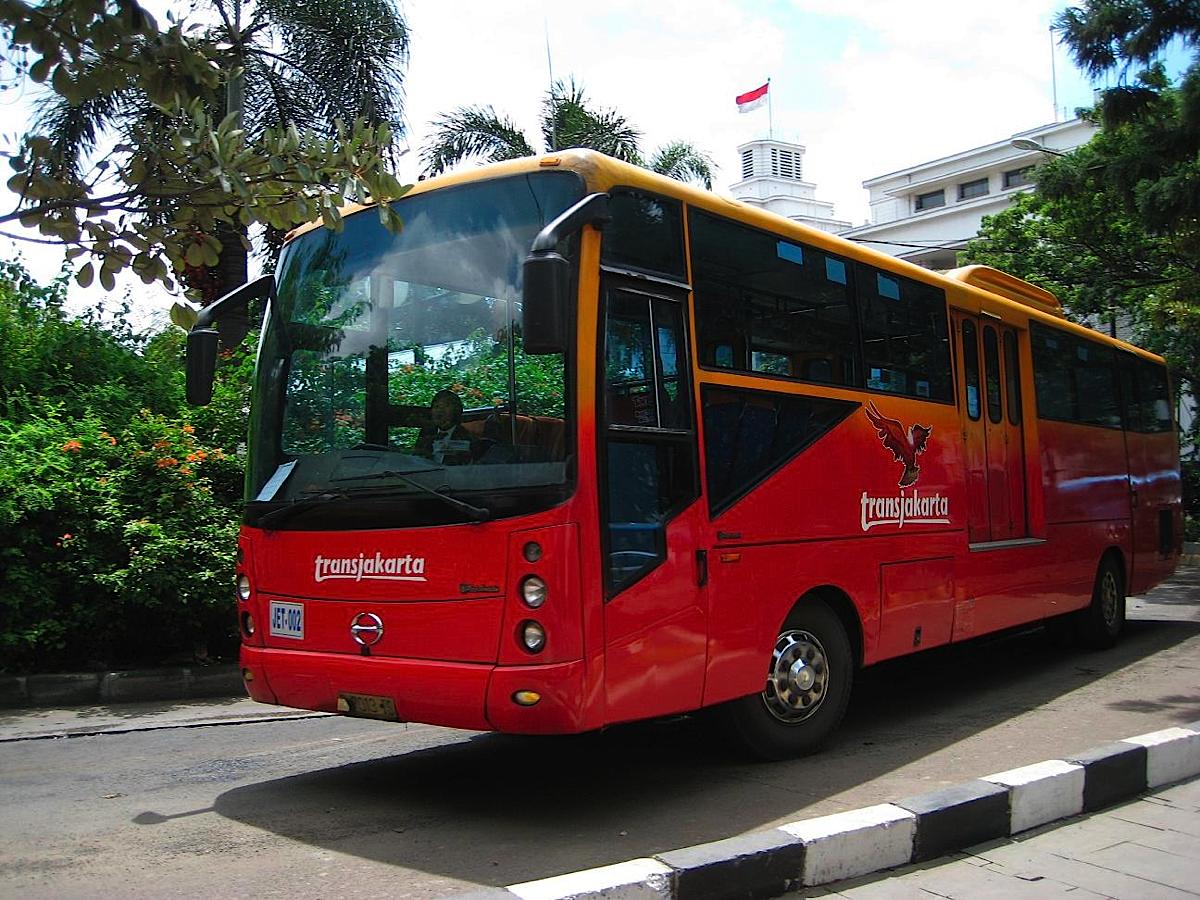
(568, 120)
(143, 157)
(1114, 227)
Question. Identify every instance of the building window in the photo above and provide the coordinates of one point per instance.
(747, 163)
(1017, 177)
(931, 200)
(971, 189)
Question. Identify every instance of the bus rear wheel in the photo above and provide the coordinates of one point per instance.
(807, 688)
(1101, 622)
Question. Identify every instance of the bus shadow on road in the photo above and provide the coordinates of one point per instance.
(497, 809)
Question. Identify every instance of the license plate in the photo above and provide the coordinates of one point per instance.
(287, 620)
(367, 706)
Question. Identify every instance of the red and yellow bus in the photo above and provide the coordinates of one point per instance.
(583, 445)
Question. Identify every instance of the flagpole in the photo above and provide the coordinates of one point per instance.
(770, 113)
(553, 109)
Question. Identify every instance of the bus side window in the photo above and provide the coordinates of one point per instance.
(766, 305)
(906, 341)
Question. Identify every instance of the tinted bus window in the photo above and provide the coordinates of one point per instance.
(1154, 397)
(750, 434)
(906, 346)
(971, 368)
(1012, 378)
(1052, 378)
(1096, 385)
(991, 365)
(772, 306)
(646, 233)
(1075, 379)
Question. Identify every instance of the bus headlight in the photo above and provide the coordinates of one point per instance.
(247, 624)
(533, 636)
(243, 587)
(533, 591)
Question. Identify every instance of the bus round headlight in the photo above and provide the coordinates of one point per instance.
(533, 591)
(243, 587)
(533, 636)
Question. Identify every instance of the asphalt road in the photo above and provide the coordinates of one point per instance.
(333, 807)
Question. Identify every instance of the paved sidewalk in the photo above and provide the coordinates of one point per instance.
(81, 721)
(1148, 848)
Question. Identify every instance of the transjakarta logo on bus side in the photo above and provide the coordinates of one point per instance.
(369, 568)
(905, 444)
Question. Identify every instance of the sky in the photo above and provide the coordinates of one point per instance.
(866, 86)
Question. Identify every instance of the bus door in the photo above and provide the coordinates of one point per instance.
(992, 429)
(654, 579)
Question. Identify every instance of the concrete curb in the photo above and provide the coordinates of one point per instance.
(89, 688)
(855, 843)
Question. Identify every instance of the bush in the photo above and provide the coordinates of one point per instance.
(118, 511)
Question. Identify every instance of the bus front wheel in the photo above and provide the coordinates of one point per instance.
(807, 689)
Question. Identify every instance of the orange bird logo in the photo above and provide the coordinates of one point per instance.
(905, 445)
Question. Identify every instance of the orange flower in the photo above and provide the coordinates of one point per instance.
(167, 461)
(108, 437)
(198, 456)
(161, 445)
(72, 446)
(185, 470)
(188, 429)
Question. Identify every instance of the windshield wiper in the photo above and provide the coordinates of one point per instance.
(299, 505)
(476, 513)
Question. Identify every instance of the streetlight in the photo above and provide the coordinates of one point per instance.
(1027, 144)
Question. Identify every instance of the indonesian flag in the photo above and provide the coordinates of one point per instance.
(752, 100)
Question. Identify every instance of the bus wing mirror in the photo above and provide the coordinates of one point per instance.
(544, 320)
(547, 277)
(201, 365)
(203, 338)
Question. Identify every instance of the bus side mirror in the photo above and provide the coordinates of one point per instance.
(547, 278)
(203, 339)
(201, 365)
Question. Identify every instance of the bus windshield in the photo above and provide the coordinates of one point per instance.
(392, 388)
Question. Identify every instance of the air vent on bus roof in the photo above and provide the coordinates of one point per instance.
(1008, 286)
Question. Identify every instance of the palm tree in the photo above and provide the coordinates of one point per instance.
(309, 64)
(568, 120)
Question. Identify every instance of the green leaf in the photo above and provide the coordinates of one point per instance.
(183, 316)
(85, 275)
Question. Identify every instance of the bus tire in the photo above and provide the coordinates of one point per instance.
(1102, 621)
(809, 677)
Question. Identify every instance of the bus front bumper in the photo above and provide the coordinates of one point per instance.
(456, 695)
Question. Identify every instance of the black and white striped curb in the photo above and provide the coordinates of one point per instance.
(850, 844)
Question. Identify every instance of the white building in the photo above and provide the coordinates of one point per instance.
(773, 179)
(927, 212)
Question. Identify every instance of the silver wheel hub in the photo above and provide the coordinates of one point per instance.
(799, 677)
